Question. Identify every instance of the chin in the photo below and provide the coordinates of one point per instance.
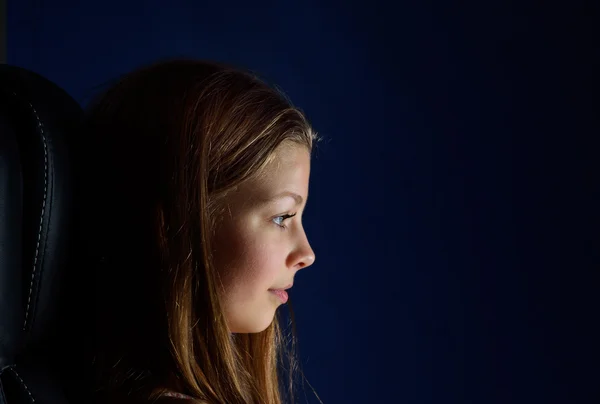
(252, 327)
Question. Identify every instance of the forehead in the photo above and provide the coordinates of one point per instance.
(288, 163)
(288, 170)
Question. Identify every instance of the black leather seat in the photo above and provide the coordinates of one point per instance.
(37, 119)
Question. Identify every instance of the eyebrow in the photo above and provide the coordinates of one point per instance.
(294, 195)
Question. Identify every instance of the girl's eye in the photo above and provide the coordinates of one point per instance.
(279, 222)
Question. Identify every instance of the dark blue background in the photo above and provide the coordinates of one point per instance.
(452, 203)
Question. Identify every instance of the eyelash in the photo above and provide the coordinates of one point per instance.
(283, 227)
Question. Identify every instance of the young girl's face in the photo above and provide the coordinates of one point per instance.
(258, 247)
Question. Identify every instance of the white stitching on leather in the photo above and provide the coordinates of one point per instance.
(23, 383)
(37, 247)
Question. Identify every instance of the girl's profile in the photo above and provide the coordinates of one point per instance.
(196, 177)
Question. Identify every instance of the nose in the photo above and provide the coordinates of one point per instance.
(304, 255)
(309, 258)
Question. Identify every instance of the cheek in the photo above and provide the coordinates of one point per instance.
(255, 267)
(249, 263)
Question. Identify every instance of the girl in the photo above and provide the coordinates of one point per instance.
(193, 176)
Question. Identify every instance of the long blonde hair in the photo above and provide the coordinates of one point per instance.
(160, 149)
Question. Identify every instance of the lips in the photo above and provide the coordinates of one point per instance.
(281, 294)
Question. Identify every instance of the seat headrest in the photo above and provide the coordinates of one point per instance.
(37, 118)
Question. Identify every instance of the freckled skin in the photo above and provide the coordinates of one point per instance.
(252, 252)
